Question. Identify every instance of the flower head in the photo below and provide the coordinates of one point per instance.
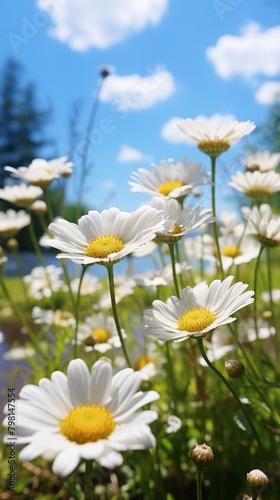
(178, 221)
(197, 312)
(11, 222)
(169, 179)
(212, 140)
(21, 195)
(261, 160)
(105, 237)
(263, 224)
(256, 184)
(84, 415)
(99, 332)
(43, 281)
(41, 172)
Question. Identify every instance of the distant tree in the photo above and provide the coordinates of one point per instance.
(21, 119)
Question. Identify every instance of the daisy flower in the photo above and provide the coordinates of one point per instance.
(107, 237)
(43, 281)
(256, 184)
(178, 221)
(169, 179)
(61, 319)
(90, 285)
(99, 332)
(123, 287)
(236, 251)
(197, 312)
(229, 224)
(38, 173)
(21, 195)
(261, 160)
(84, 416)
(18, 353)
(263, 224)
(212, 140)
(265, 296)
(11, 222)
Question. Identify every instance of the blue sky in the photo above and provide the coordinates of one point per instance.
(170, 58)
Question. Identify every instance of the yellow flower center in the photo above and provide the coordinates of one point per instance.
(195, 320)
(176, 229)
(231, 251)
(103, 246)
(213, 148)
(257, 192)
(87, 424)
(143, 361)
(166, 187)
(100, 335)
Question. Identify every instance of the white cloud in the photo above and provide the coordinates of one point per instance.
(254, 51)
(268, 93)
(127, 154)
(171, 132)
(97, 23)
(135, 92)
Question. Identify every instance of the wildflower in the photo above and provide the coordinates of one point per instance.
(261, 160)
(61, 319)
(99, 332)
(178, 221)
(123, 287)
(174, 424)
(169, 179)
(197, 312)
(263, 225)
(17, 353)
(212, 140)
(257, 480)
(89, 416)
(43, 281)
(256, 184)
(234, 368)
(236, 251)
(11, 222)
(21, 195)
(39, 207)
(106, 237)
(202, 455)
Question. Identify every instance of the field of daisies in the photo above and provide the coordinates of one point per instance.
(162, 384)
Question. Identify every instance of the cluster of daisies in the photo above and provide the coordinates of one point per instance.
(94, 414)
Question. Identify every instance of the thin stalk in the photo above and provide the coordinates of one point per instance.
(263, 396)
(173, 264)
(235, 395)
(35, 242)
(115, 312)
(48, 202)
(215, 225)
(88, 480)
(198, 484)
(275, 322)
(255, 310)
(171, 375)
(77, 313)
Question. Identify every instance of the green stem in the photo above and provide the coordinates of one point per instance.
(115, 312)
(88, 480)
(275, 322)
(263, 396)
(77, 313)
(215, 225)
(198, 484)
(235, 395)
(173, 264)
(35, 242)
(255, 301)
(48, 202)
(173, 391)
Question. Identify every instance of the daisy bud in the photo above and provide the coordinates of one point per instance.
(257, 480)
(104, 71)
(12, 244)
(234, 368)
(39, 207)
(202, 455)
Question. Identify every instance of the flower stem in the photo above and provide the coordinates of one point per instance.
(235, 395)
(215, 225)
(35, 242)
(88, 480)
(255, 301)
(115, 312)
(77, 312)
(198, 484)
(173, 263)
(171, 375)
(275, 322)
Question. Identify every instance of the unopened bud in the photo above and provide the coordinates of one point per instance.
(12, 244)
(104, 71)
(257, 480)
(39, 207)
(234, 368)
(202, 455)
